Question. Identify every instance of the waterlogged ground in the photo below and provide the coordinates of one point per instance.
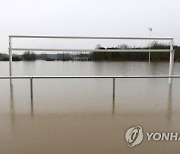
(80, 116)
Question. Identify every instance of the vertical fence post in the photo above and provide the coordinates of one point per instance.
(31, 87)
(10, 57)
(171, 61)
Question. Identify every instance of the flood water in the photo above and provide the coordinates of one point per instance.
(79, 116)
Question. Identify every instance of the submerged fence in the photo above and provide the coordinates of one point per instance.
(31, 78)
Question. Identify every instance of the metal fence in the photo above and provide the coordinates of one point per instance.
(31, 78)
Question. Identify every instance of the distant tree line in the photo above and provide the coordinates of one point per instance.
(134, 56)
(100, 56)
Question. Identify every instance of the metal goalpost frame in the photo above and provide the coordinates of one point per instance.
(171, 50)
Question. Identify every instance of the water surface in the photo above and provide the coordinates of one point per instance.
(80, 115)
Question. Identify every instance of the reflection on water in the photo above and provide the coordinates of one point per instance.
(12, 108)
(84, 115)
(169, 111)
(113, 106)
(32, 107)
(114, 91)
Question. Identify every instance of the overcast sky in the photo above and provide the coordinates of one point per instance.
(89, 18)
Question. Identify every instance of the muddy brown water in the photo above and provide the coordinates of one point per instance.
(79, 115)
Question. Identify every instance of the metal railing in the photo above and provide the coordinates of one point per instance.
(31, 78)
(92, 37)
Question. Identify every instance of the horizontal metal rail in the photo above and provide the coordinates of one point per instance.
(58, 77)
(93, 37)
(31, 78)
(91, 50)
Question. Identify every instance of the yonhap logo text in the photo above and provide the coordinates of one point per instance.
(134, 136)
